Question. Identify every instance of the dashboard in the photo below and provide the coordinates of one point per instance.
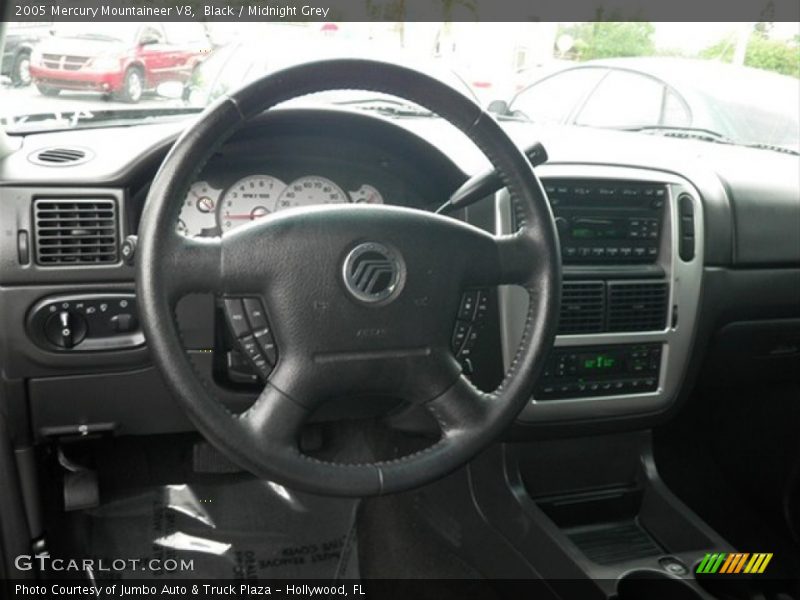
(660, 250)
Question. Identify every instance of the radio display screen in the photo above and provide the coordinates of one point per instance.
(584, 229)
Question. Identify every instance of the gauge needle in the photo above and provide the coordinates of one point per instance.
(247, 216)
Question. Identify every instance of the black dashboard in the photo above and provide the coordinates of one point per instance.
(663, 244)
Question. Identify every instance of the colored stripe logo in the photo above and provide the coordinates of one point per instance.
(736, 562)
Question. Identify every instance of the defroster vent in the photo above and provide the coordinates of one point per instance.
(75, 231)
(637, 306)
(582, 307)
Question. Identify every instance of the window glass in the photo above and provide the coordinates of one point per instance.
(185, 33)
(623, 99)
(675, 112)
(152, 33)
(553, 99)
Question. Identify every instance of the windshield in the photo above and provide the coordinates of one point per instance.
(735, 82)
(118, 32)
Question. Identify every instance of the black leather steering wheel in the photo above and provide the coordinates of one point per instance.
(362, 299)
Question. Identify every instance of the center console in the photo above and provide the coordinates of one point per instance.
(631, 247)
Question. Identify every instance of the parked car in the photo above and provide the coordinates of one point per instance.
(20, 41)
(120, 59)
(696, 97)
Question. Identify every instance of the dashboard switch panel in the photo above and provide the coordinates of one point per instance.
(86, 322)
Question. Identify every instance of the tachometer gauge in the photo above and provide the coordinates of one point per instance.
(198, 213)
(366, 194)
(311, 190)
(249, 199)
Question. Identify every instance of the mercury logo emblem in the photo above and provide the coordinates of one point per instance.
(374, 273)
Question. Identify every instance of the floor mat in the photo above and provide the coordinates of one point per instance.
(247, 529)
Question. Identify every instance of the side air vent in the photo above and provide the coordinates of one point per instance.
(60, 156)
(75, 231)
(637, 306)
(582, 307)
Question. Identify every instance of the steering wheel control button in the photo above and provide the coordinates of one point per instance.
(249, 325)
(267, 345)
(255, 313)
(373, 273)
(466, 311)
(460, 335)
(471, 316)
(235, 312)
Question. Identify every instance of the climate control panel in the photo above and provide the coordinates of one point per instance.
(579, 372)
(86, 322)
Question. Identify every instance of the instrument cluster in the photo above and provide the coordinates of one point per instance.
(210, 211)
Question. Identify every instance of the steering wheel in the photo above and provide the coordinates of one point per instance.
(361, 298)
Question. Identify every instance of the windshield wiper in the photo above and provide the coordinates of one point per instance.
(693, 133)
(774, 148)
(388, 106)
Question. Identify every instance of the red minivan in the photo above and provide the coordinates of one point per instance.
(120, 59)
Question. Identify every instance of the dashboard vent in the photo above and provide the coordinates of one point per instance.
(75, 231)
(637, 306)
(60, 156)
(582, 307)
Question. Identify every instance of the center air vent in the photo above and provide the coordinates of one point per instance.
(637, 306)
(60, 156)
(582, 307)
(75, 231)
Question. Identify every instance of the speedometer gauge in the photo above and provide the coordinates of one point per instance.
(311, 190)
(198, 213)
(249, 199)
(366, 194)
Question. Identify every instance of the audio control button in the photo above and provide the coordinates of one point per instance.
(235, 312)
(255, 313)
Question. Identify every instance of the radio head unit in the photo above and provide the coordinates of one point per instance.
(606, 221)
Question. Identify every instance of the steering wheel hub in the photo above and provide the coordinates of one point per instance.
(374, 273)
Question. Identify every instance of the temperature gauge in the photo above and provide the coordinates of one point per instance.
(198, 213)
(366, 194)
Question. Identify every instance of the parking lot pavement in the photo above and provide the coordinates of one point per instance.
(27, 100)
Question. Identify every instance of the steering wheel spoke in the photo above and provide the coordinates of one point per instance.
(459, 409)
(274, 419)
(191, 265)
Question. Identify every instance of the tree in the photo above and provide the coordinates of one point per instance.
(607, 39)
(781, 56)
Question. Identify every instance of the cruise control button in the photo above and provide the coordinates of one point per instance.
(255, 313)
(468, 301)
(482, 306)
(235, 311)
(460, 334)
